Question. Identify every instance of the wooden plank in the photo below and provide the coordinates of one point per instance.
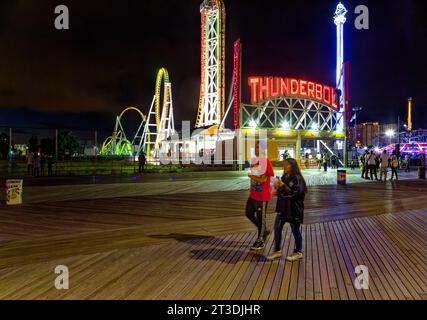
(353, 262)
(333, 286)
(212, 269)
(400, 290)
(376, 276)
(273, 283)
(337, 269)
(287, 275)
(230, 283)
(188, 270)
(407, 274)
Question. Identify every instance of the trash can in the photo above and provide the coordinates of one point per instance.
(342, 177)
(14, 192)
(422, 172)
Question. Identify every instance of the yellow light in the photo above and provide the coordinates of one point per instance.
(162, 78)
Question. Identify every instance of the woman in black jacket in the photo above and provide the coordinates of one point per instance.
(291, 191)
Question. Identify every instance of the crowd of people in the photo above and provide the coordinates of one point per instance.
(36, 164)
(371, 163)
(333, 162)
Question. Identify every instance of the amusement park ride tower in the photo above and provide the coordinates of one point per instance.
(340, 19)
(212, 87)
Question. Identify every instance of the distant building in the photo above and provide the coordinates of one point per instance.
(373, 134)
(368, 133)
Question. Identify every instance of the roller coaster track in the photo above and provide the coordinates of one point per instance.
(152, 130)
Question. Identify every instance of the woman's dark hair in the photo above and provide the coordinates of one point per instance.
(296, 171)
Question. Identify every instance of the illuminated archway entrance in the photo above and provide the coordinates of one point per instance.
(294, 125)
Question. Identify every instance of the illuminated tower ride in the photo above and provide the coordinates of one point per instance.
(340, 19)
(212, 95)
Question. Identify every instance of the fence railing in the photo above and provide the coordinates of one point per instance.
(19, 168)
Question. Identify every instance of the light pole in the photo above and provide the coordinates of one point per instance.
(356, 110)
(390, 133)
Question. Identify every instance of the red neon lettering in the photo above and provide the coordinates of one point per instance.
(253, 83)
(334, 100)
(294, 87)
(319, 92)
(284, 86)
(264, 88)
(274, 87)
(236, 84)
(327, 95)
(303, 87)
(310, 89)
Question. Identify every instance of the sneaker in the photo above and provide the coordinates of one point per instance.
(258, 245)
(294, 257)
(274, 256)
(266, 234)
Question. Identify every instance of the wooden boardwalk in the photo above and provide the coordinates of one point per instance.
(196, 247)
(41, 190)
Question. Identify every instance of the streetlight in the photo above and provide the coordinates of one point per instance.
(285, 125)
(390, 133)
(314, 127)
(253, 124)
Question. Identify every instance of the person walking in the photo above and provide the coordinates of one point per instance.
(291, 191)
(366, 166)
(362, 165)
(42, 164)
(50, 163)
(372, 166)
(260, 194)
(142, 160)
(407, 163)
(352, 164)
(36, 165)
(325, 163)
(394, 166)
(384, 164)
(30, 159)
(333, 161)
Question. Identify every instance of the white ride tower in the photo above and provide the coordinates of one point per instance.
(160, 124)
(212, 88)
(340, 19)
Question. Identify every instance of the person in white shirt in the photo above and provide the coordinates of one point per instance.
(372, 165)
(385, 159)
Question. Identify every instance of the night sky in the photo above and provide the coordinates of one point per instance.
(82, 77)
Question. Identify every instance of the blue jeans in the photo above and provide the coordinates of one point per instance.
(296, 231)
